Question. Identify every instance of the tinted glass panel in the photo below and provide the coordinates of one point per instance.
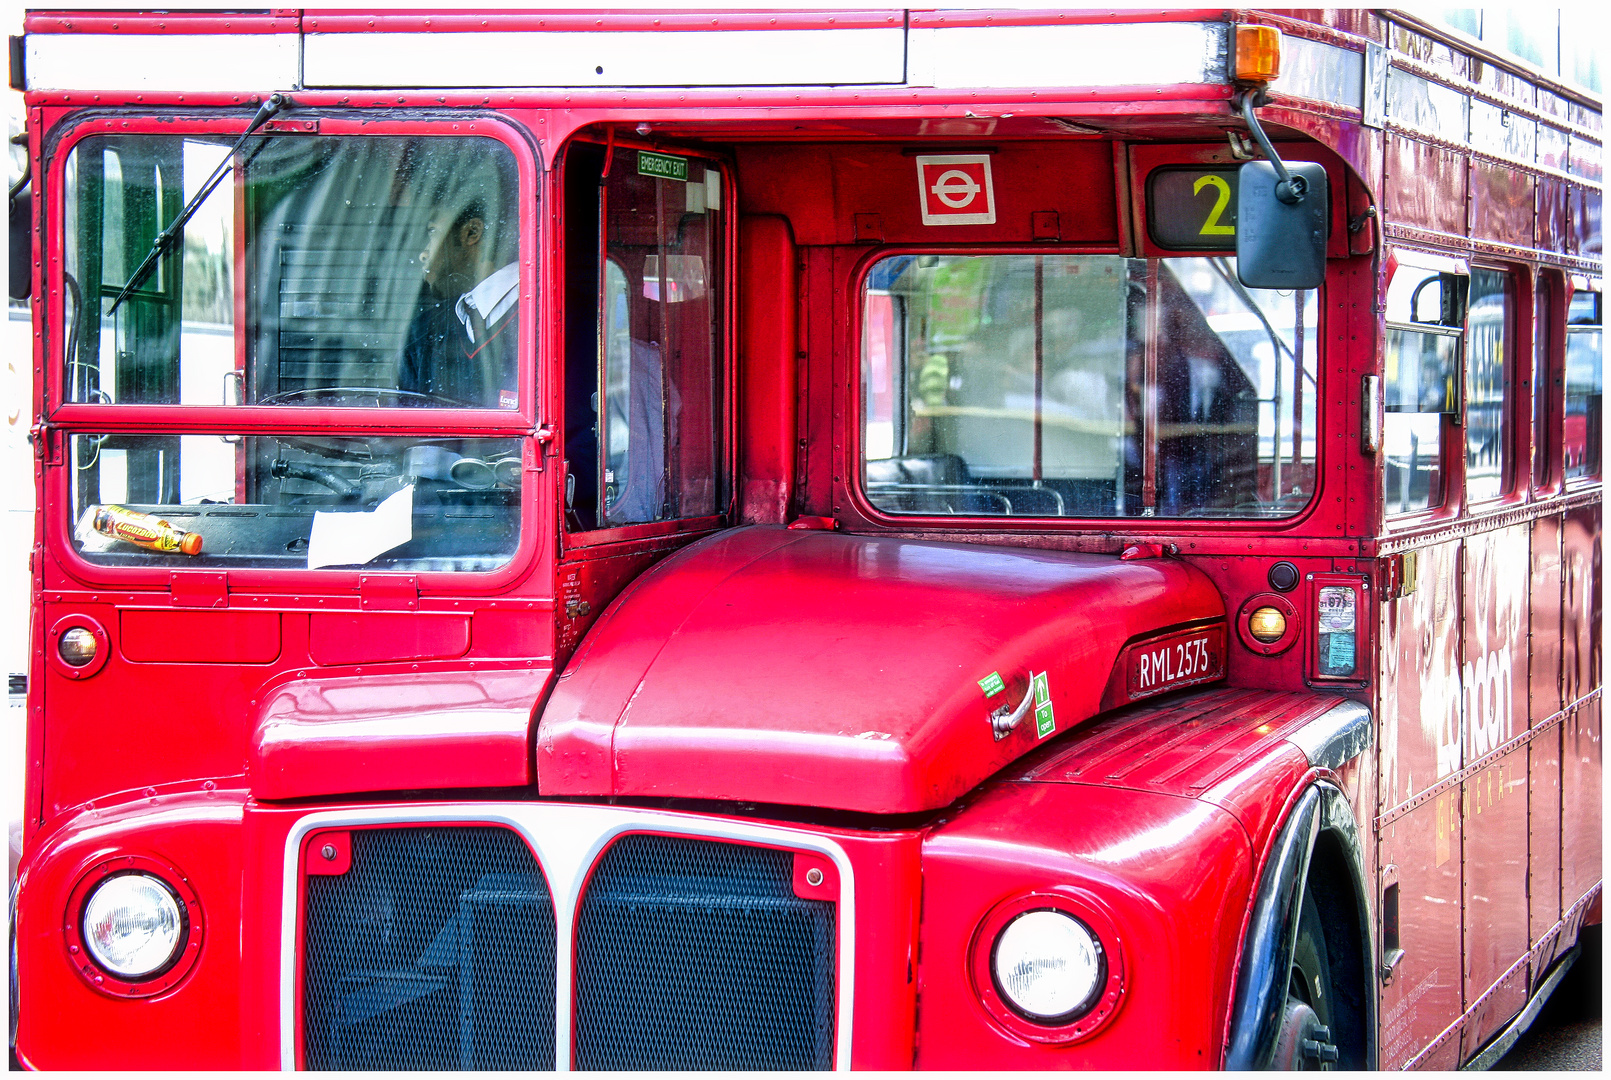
(1420, 385)
(375, 263)
(1487, 387)
(296, 502)
(659, 334)
(1584, 386)
(1085, 386)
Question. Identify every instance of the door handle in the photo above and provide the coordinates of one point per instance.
(1003, 720)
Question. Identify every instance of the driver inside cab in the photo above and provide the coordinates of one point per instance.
(461, 344)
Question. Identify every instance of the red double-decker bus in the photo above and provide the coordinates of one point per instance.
(854, 539)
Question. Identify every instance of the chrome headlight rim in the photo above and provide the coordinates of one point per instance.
(1081, 1007)
(1087, 908)
(170, 901)
(191, 927)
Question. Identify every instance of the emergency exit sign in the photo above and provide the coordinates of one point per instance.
(662, 165)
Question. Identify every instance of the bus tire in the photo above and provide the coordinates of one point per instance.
(1307, 1028)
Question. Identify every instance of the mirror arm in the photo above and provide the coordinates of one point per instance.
(1291, 189)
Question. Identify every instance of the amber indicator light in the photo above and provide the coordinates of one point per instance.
(1267, 624)
(1258, 54)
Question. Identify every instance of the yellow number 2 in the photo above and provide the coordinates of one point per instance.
(1212, 227)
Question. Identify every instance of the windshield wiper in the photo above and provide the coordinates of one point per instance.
(176, 228)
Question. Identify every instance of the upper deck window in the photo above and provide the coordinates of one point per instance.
(1584, 385)
(1487, 388)
(1089, 386)
(379, 271)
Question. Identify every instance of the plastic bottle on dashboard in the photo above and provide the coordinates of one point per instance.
(146, 530)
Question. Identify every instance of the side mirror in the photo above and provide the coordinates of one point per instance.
(1280, 237)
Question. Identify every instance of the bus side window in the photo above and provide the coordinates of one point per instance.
(1487, 390)
(1546, 340)
(1421, 386)
(1584, 385)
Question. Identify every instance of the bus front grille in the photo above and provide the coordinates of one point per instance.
(696, 954)
(434, 951)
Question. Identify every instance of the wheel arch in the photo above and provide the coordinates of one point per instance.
(1317, 851)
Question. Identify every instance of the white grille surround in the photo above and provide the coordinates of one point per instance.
(567, 839)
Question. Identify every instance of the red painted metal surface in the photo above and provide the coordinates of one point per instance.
(132, 22)
(1225, 747)
(1025, 840)
(1424, 991)
(827, 670)
(365, 637)
(759, 666)
(1125, 813)
(196, 1024)
(767, 327)
(814, 186)
(1041, 17)
(225, 1011)
(1494, 638)
(454, 729)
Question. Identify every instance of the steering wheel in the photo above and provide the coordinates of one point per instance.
(344, 394)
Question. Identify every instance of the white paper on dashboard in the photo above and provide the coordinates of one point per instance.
(345, 539)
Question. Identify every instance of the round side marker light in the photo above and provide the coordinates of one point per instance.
(1268, 624)
(77, 647)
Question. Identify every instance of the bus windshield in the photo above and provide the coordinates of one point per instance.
(1091, 386)
(379, 271)
(325, 271)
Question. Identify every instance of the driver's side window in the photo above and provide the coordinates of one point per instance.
(643, 358)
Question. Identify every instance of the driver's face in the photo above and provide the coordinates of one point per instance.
(447, 259)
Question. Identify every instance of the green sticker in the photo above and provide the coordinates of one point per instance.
(662, 165)
(1043, 694)
(1044, 724)
(992, 685)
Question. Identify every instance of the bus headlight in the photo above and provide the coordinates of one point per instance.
(133, 926)
(1048, 966)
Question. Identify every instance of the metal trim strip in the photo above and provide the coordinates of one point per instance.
(1421, 534)
(566, 839)
(1489, 1055)
(1573, 914)
(1487, 759)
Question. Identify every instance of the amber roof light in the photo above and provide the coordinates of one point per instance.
(1258, 54)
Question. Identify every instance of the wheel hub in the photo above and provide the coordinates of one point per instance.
(1304, 1042)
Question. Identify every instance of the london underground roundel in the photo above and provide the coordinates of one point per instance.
(955, 189)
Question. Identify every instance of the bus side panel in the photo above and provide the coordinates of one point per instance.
(1580, 789)
(1580, 632)
(1493, 678)
(1424, 993)
(1421, 851)
(1544, 752)
(1421, 680)
(1494, 811)
(1580, 754)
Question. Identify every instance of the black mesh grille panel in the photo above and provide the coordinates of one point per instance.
(694, 954)
(435, 951)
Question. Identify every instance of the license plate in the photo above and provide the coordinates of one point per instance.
(1191, 656)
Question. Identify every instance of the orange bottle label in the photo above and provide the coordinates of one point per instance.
(144, 530)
